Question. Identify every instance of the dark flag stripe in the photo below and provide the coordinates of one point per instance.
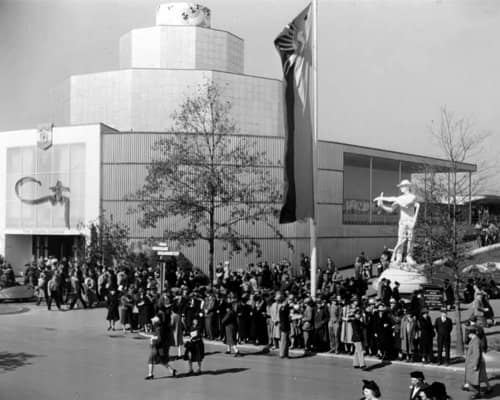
(294, 47)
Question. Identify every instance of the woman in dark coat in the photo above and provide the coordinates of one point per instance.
(243, 311)
(160, 345)
(321, 319)
(259, 321)
(230, 327)
(143, 304)
(113, 303)
(195, 349)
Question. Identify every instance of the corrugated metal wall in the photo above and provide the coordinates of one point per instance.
(125, 157)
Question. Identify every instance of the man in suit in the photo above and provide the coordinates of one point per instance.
(417, 384)
(443, 327)
(284, 325)
(426, 336)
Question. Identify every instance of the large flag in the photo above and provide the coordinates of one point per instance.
(294, 45)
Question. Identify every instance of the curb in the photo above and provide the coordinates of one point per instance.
(460, 367)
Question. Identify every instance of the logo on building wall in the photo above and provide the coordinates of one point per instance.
(56, 198)
(45, 136)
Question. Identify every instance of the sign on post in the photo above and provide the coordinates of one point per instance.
(168, 253)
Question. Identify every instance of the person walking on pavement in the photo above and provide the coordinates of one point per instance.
(443, 326)
(417, 384)
(159, 344)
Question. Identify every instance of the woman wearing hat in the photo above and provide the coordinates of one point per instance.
(436, 391)
(371, 391)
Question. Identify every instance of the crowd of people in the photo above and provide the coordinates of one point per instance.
(267, 305)
(487, 231)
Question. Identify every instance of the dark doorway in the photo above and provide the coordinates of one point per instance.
(59, 246)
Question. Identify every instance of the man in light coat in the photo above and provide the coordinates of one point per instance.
(275, 320)
(475, 367)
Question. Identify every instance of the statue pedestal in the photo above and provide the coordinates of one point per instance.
(409, 277)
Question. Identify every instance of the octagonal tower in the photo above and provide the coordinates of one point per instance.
(160, 65)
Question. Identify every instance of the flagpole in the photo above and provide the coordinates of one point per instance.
(313, 221)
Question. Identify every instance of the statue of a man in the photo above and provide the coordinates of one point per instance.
(408, 213)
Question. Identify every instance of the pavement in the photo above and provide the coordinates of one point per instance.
(70, 355)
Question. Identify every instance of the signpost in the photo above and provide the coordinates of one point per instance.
(161, 250)
(433, 296)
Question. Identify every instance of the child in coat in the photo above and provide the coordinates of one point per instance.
(195, 349)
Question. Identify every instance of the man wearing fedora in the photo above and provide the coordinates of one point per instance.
(426, 336)
(443, 326)
(417, 384)
(408, 213)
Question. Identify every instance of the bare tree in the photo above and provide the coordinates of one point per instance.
(446, 195)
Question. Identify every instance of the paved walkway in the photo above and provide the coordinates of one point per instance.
(70, 355)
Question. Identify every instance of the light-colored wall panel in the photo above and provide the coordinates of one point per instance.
(330, 187)
(330, 156)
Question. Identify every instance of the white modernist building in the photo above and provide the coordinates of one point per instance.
(54, 181)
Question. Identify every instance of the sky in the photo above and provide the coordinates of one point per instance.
(386, 67)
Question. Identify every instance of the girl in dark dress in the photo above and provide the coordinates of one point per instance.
(113, 302)
(159, 346)
(195, 349)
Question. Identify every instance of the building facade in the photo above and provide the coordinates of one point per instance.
(54, 181)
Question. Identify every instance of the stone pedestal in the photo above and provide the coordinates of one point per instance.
(410, 277)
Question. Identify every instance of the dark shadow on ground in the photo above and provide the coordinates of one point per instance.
(457, 360)
(140, 337)
(377, 365)
(495, 391)
(212, 372)
(210, 353)
(117, 336)
(12, 361)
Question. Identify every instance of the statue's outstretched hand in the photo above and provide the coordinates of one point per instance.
(379, 199)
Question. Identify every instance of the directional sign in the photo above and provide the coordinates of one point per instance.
(160, 248)
(168, 253)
